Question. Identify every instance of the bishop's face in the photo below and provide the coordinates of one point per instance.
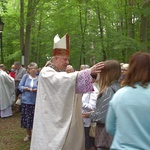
(61, 62)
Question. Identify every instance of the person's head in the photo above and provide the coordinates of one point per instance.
(39, 69)
(17, 64)
(13, 68)
(69, 69)
(60, 62)
(110, 73)
(121, 64)
(32, 68)
(87, 66)
(61, 51)
(124, 68)
(82, 67)
(2, 67)
(139, 70)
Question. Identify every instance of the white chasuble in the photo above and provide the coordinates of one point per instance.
(58, 120)
(7, 90)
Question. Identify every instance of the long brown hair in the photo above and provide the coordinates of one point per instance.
(139, 70)
(110, 73)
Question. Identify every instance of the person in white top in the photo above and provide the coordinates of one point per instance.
(7, 94)
(88, 105)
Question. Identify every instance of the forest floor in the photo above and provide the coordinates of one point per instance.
(11, 134)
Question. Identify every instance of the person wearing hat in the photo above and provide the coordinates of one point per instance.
(58, 119)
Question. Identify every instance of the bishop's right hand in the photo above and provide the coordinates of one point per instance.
(97, 68)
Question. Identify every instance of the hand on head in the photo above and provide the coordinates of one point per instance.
(97, 68)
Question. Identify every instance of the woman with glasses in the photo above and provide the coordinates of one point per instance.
(28, 87)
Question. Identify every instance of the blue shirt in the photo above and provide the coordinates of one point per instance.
(128, 118)
(28, 97)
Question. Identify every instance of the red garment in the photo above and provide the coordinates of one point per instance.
(12, 74)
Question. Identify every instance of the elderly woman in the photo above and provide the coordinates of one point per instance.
(28, 87)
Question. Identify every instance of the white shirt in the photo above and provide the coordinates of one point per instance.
(89, 104)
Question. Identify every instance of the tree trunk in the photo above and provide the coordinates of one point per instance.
(39, 41)
(22, 30)
(101, 31)
(83, 29)
(144, 26)
(130, 20)
(31, 10)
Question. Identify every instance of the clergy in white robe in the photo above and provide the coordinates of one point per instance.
(7, 94)
(58, 121)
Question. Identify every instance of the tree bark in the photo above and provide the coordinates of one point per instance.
(30, 19)
(144, 26)
(83, 29)
(101, 31)
(22, 30)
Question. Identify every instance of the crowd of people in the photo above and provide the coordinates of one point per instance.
(59, 104)
(19, 84)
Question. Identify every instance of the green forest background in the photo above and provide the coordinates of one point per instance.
(98, 29)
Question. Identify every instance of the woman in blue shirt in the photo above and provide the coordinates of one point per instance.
(128, 117)
(28, 87)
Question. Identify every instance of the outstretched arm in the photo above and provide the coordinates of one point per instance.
(84, 79)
